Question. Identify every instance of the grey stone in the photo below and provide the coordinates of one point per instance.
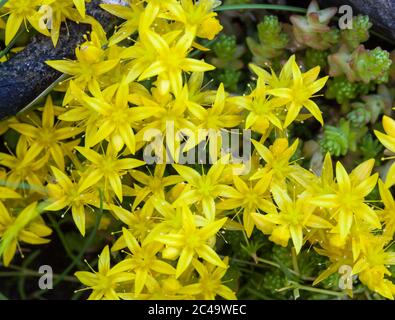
(26, 75)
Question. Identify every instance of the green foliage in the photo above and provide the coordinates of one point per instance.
(272, 41)
(341, 89)
(335, 140)
(359, 32)
(315, 57)
(370, 147)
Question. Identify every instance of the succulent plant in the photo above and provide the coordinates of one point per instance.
(272, 41)
(361, 64)
(358, 33)
(314, 57)
(313, 30)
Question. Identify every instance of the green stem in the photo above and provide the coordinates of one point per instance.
(296, 285)
(86, 245)
(273, 264)
(295, 261)
(41, 96)
(21, 280)
(31, 273)
(11, 44)
(257, 6)
(62, 239)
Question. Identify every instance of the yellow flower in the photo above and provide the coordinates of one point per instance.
(7, 193)
(191, 241)
(169, 120)
(105, 282)
(338, 256)
(250, 198)
(130, 13)
(61, 11)
(271, 79)
(91, 63)
(172, 60)
(27, 227)
(154, 185)
(209, 284)
(140, 222)
(388, 140)
(300, 92)
(210, 122)
(169, 221)
(293, 216)
(375, 280)
(205, 188)
(80, 5)
(262, 111)
(387, 215)
(106, 166)
(143, 261)
(372, 265)
(347, 202)
(21, 10)
(113, 119)
(24, 166)
(278, 168)
(65, 194)
(198, 17)
(49, 135)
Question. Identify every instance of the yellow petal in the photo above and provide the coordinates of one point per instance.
(387, 141)
(389, 126)
(116, 185)
(65, 66)
(104, 260)
(297, 237)
(342, 177)
(314, 110)
(78, 213)
(13, 24)
(90, 180)
(208, 254)
(184, 261)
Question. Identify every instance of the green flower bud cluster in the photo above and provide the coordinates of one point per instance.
(373, 65)
(361, 64)
(227, 54)
(371, 107)
(272, 41)
(360, 116)
(335, 140)
(315, 57)
(359, 32)
(338, 140)
(230, 78)
(225, 47)
(341, 89)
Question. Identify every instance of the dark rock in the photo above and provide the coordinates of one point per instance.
(26, 75)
